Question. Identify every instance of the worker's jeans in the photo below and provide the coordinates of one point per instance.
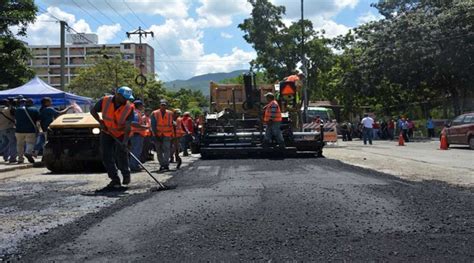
(22, 139)
(368, 133)
(273, 130)
(136, 142)
(186, 141)
(8, 147)
(113, 157)
(163, 150)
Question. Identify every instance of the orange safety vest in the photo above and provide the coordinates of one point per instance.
(141, 121)
(164, 125)
(179, 132)
(115, 119)
(147, 122)
(272, 112)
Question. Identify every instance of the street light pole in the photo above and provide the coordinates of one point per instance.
(305, 69)
(63, 54)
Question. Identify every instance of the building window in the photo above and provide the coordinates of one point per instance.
(126, 46)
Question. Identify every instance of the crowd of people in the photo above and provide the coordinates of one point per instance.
(23, 128)
(369, 129)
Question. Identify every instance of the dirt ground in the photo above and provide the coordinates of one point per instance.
(416, 161)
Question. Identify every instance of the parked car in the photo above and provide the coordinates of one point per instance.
(461, 130)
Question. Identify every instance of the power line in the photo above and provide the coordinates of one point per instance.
(87, 12)
(124, 19)
(98, 10)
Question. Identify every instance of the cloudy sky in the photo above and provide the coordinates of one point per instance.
(192, 37)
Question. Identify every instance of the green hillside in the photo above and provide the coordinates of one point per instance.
(201, 82)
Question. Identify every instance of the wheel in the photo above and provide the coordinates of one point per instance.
(471, 142)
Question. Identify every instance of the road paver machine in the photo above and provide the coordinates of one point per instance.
(234, 124)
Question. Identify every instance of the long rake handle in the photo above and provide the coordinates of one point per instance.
(139, 162)
(143, 166)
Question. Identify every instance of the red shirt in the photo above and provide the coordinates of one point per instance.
(188, 124)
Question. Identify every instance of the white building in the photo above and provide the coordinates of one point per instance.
(46, 61)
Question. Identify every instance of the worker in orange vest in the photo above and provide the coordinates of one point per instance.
(137, 135)
(272, 118)
(115, 125)
(178, 135)
(162, 127)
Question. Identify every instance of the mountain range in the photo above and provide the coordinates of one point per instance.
(201, 82)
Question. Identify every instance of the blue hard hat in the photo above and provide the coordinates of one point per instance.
(126, 92)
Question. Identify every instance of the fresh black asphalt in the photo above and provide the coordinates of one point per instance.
(302, 209)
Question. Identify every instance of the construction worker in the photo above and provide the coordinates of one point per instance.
(115, 124)
(188, 126)
(178, 135)
(162, 127)
(272, 117)
(137, 135)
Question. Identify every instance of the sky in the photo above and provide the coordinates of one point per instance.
(191, 37)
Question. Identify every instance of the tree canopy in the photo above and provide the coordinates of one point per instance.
(14, 55)
(418, 56)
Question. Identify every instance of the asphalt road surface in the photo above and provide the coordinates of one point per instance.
(273, 210)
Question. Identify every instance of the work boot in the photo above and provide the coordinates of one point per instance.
(113, 185)
(161, 168)
(30, 158)
(20, 161)
(126, 179)
(166, 168)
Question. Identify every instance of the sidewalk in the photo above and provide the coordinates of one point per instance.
(7, 167)
(416, 161)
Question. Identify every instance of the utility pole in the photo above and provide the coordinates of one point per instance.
(305, 68)
(140, 32)
(63, 54)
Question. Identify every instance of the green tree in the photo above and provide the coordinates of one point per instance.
(104, 76)
(14, 54)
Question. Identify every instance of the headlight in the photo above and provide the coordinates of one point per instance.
(95, 131)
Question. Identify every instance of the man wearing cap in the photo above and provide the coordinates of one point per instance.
(26, 118)
(162, 127)
(137, 135)
(115, 124)
(272, 117)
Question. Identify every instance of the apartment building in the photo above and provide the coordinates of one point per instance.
(80, 51)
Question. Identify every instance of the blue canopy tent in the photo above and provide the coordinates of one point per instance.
(37, 89)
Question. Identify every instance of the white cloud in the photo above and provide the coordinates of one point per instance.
(226, 35)
(107, 32)
(165, 8)
(218, 13)
(81, 26)
(331, 28)
(368, 17)
(45, 31)
(313, 8)
(319, 12)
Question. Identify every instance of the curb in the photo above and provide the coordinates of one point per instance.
(16, 167)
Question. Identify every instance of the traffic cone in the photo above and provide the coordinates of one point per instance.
(401, 141)
(443, 142)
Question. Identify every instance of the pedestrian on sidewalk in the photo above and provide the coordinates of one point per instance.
(7, 133)
(115, 125)
(430, 127)
(391, 129)
(162, 126)
(367, 123)
(137, 134)
(411, 128)
(404, 127)
(26, 119)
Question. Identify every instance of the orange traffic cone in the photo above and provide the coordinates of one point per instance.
(401, 141)
(443, 142)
